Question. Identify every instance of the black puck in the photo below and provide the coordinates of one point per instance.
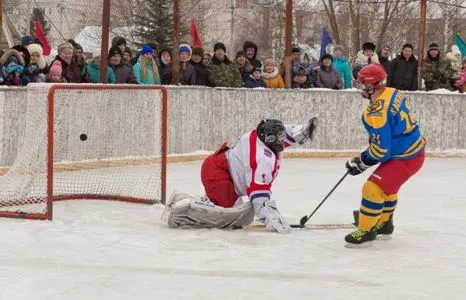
(83, 137)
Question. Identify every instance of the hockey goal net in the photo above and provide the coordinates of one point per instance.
(82, 141)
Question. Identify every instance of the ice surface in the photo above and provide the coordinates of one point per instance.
(106, 250)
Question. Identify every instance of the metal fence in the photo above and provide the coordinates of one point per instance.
(235, 21)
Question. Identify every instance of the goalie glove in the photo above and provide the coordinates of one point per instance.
(267, 212)
(308, 131)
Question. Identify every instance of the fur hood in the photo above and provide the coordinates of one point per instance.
(270, 75)
(36, 48)
(11, 53)
(363, 60)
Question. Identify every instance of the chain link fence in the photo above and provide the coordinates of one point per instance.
(235, 21)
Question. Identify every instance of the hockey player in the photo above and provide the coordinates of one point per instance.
(246, 169)
(395, 142)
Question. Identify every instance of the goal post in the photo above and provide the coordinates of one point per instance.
(85, 141)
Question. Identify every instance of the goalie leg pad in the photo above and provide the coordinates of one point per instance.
(201, 213)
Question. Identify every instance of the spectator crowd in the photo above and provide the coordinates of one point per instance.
(153, 64)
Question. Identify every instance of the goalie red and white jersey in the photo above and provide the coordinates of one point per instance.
(253, 166)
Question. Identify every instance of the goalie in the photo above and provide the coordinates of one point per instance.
(247, 169)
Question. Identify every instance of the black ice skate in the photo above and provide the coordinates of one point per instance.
(385, 230)
(360, 238)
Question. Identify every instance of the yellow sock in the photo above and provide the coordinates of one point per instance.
(372, 205)
(388, 208)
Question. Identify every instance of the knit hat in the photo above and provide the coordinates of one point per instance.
(185, 48)
(433, 46)
(257, 69)
(35, 48)
(338, 47)
(296, 49)
(327, 56)
(198, 51)
(118, 40)
(220, 46)
(64, 46)
(56, 68)
(26, 40)
(146, 49)
(368, 46)
(408, 45)
(114, 51)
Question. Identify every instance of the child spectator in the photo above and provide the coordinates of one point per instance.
(206, 59)
(55, 73)
(255, 80)
(270, 75)
(303, 75)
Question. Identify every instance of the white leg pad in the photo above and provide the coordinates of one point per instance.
(201, 213)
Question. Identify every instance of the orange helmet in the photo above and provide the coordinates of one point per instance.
(373, 75)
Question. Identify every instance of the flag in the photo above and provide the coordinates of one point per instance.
(326, 39)
(461, 44)
(40, 35)
(195, 33)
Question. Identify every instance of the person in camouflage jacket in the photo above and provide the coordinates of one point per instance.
(221, 71)
(435, 71)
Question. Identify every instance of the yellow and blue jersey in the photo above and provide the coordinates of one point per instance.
(393, 131)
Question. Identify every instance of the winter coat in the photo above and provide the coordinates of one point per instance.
(124, 73)
(201, 73)
(36, 71)
(16, 77)
(151, 78)
(165, 71)
(223, 73)
(303, 66)
(329, 78)
(435, 73)
(187, 74)
(341, 64)
(245, 69)
(454, 64)
(254, 61)
(402, 73)
(384, 61)
(461, 82)
(254, 83)
(71, 73)
(93, 71)
(362, 61)
(273, 80)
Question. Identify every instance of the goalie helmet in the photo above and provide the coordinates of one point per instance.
(272, 133)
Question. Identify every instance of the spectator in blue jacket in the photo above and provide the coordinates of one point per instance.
(341, 64)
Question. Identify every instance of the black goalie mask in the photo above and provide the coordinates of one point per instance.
(272, 133)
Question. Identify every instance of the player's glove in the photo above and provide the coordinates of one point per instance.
(267, 212)
(356, 166)
(308, 131)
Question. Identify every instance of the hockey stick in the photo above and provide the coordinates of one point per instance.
(304, 219)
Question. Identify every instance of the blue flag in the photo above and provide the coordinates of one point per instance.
(326, 39)
(461, 44)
